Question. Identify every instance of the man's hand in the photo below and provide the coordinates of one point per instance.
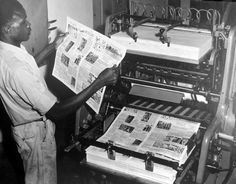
(50, 48)
(109, 76)
(59, 39)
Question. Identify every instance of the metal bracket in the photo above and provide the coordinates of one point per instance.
(111, 154)
(163, 36)
(149, 164)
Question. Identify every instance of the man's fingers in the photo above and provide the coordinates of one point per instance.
(114, 66)
(63, 34)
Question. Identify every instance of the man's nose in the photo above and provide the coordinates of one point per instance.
(28, 24)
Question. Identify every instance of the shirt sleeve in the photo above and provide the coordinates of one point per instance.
(32, 90)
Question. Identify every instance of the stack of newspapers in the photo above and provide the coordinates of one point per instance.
(166, 137)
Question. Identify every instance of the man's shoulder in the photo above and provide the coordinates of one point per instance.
(13, 65)
(9, 51)
(13, 59)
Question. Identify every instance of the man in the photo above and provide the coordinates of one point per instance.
(27, 100)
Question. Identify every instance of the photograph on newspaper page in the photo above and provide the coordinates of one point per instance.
(82, 56)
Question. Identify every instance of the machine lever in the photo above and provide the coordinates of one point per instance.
(70, 147)
(131, 31)
(215, 169)
(163, 33)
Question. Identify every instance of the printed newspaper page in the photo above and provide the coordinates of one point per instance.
(165, 136)
(170, 138)
(130, 128)
(82, 56)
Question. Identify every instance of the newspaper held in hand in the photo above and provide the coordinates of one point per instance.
(164, 136)
(82, 56)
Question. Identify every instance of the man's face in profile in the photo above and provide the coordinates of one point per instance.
(20, 27)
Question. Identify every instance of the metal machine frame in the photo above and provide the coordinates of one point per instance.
(214, 78)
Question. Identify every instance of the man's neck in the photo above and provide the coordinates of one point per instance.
(10, 41)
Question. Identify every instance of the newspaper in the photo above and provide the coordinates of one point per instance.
(165, 136)
(82, 56)
(141, 131)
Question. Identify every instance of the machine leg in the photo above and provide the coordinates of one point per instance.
(204, 150)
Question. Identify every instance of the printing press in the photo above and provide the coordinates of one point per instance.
(179, 63)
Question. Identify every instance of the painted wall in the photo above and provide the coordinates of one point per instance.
(80, 10)
(38, 17)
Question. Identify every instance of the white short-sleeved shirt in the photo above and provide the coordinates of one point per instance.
(23, 90)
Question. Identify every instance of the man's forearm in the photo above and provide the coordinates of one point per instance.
(40, 57)
(68, 106)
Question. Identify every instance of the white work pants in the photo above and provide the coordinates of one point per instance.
(36, 145)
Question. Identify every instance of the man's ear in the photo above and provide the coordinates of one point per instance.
(6, 29)
(9, 30)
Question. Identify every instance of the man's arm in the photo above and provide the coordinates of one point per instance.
(108, 77)
(49, 49)
(40, 57)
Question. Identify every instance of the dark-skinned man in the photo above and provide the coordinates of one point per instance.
(27, 100)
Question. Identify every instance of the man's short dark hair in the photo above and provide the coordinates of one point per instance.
(7, 10)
